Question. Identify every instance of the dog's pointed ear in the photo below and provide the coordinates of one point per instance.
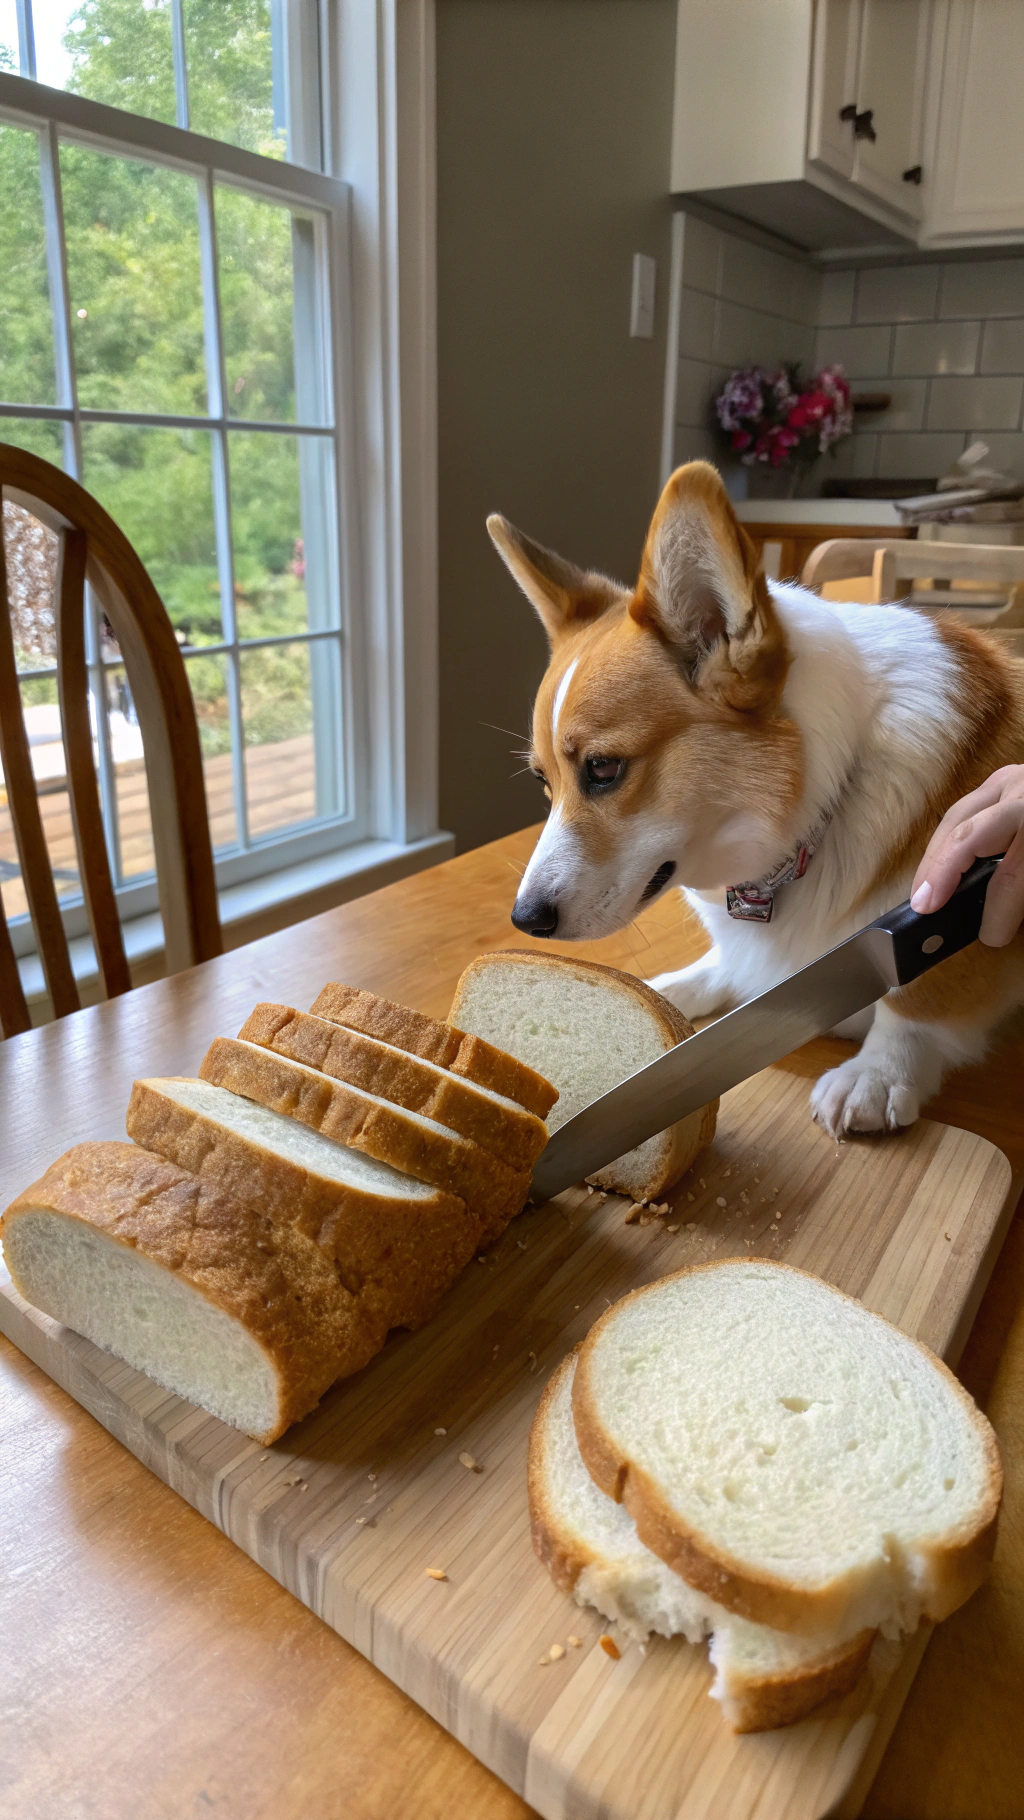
(565, 597)
(700, 588)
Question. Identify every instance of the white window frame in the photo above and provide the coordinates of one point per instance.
(374, 133)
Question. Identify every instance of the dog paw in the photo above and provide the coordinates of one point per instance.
(863, 1096)
(694, 994)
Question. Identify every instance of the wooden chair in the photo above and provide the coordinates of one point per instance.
(894, 566)
(91, 548)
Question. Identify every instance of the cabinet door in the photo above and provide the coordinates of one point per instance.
(978, 133)
(894, 39)
(830, 141)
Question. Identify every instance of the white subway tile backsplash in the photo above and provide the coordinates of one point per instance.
(694, 389)
(836, 307)
(896, 293)
(697, 312)
(936, 347)
(853, 459)
(989, 287)
(916, 456)
(692, 444)
(974, 404)
(1002, 347)
(1005, 451)
(764, 280)
(702, 255)
(906, 412)
(744, 337)
(861, 352)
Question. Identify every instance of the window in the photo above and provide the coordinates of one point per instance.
(171, 319)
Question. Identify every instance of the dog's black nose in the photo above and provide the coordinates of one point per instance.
(535, 918)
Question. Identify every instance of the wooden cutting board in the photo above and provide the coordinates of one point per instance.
(353, 1506)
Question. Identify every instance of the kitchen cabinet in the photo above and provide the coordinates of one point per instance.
(844, 125)
(975, 146)
(804, 118)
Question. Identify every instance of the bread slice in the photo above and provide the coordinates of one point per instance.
(506, 1129)
(416, 1145)
(791, 1454)
(590, 1545)
(169, 1273)
(586, 1027)
(396, 1243)
(462, 1053)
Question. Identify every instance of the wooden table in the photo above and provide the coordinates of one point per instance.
(149, 1671)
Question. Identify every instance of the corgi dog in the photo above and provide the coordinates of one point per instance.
(783, 759)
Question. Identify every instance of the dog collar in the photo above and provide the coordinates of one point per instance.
(754, 901)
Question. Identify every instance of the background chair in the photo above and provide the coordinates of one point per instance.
(994, 601)
(91, 548)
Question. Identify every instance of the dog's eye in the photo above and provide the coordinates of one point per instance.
(541, 779)
(602, 773)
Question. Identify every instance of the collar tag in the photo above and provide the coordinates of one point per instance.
(754, 901)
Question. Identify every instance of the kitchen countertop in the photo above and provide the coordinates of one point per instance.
(782, 512)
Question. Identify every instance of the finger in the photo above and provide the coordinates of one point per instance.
(1004, 899)
(961, 812)
(990, 831)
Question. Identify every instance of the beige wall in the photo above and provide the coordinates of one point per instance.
(553, 130)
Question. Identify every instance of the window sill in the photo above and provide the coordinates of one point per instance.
(257, 907)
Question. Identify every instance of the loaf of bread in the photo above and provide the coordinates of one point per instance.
(791, 1454)
(410, 1141)
(499, 1124)
(590, 1545)
(206, 1294)
(586, 1028)
(458, 1050)
(395, 1242)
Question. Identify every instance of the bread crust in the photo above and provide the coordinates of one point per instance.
(441, 1043)
(753, 1703)
(958, 1561)
(490, 1188)
(398, 1256)
(680, 1143)
(275, 1282)
(508, 1131)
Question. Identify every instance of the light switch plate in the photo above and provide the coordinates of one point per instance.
(641, 306)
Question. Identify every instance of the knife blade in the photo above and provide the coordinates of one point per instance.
(892, 951)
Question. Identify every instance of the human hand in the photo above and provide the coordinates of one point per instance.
(990, 820)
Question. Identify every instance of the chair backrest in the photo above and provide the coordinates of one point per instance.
(895, 565)
(92, 548)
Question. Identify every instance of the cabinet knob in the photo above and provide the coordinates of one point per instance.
(864, 125)
(914, 174)
(849, 112)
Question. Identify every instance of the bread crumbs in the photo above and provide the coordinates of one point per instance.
(610, 1647)
(435, 1573)
(471, 1465)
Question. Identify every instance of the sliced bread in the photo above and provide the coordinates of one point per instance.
(169, 1273)
(409, 1141)
(395, 1242)
(506, 1129)
(586, 1027)
(788, 1452)
(590, 1545)
(461, 1052)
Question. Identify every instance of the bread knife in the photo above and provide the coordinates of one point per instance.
(892, 951)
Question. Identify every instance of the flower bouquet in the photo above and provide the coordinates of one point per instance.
(777, 419)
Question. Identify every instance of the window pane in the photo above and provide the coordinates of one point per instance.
(30, 549)
(254, 246)
(26, 327)
(38, 436)
(266, 521)
(230, 83)
(42, 724)
(9, 55)
(208, 677)
(135, 829)
(157, 485)
(132, 234)
(118, 51)
(277, 712)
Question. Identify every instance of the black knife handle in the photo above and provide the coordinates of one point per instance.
(920, 942)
